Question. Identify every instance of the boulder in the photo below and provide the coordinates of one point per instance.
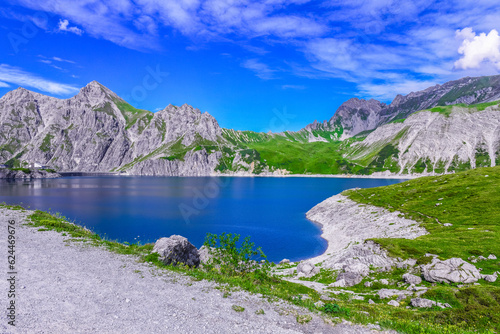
(490, 278)
(357, 268)
(492, 257)
(350, 278)
(393, 303)
(412, 279)
(388, 293)
(306, 269)
(422, 302)
(454, 270)
(177, 249)
(384, 281)
(204, 254)
(285, 261)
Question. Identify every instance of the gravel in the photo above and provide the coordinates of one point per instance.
(71, 287)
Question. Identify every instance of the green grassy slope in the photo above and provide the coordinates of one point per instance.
(470, 201)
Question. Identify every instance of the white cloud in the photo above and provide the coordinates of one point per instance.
(387, 91)
(63, 60)
(261, 70)
(298, 87)
(4, 84)
(17, 76)
(478, 49)
(63, 26)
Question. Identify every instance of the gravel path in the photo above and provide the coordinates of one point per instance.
(69, 287)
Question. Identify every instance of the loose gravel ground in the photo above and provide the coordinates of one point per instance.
(71, 287)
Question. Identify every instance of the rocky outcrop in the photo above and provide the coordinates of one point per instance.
(411, 279)
(177, 249)
(306, 269)
(32, 174)
(346, 225)
(422, 303)
(453, 270)
(434, 142)
(357, 115)
(97, 131)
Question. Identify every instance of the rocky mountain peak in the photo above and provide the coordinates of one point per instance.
(95, 93)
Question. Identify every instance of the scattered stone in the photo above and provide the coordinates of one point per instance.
(490, 278)
(412, 279)
(306, 269)
(422, 302)
(447, 224)
(454, 270)
(492, 257)
(393, 303)
(177, 249)
(350, 278)
(368, 284)
(384, 281)
(370, 301)
(357, 297)
(285, 261)
(319, 304)
(338, 284)
(388, 293)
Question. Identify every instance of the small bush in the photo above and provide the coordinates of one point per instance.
(230, 259)
(336, 309)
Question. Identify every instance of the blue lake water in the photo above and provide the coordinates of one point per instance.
(270, 210)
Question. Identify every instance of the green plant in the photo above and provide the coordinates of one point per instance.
(229, 258)
(336, 309)
(238, 308)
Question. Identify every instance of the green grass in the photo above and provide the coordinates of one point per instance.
(476, 308)
(449, 109)
(469, 200)
(133, 115)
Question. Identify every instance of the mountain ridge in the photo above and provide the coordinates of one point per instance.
(96, 130)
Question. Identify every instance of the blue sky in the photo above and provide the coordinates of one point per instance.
(257, 65)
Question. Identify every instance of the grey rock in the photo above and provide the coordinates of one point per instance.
(384, 281)
(285, 261)
(205, 254)
(454, 270)
(492, 257)
(350, 278)
(388, 293)
(368, 284)
(306, 269)
(370, 301)
(490, 278)
(412, 279)
(422, 302)
(177, 249)
(393, 303)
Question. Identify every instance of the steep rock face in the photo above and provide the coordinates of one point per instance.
(466, 90)
(198, 163)
(352, 117)
(98, 131)
(435, 143)
(356, 116)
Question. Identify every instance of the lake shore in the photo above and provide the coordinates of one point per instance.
(345, 223)
(68, 286)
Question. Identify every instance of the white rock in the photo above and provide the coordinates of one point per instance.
(454, 270)
(393, 303)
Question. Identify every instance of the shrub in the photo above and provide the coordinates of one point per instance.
(229, 258)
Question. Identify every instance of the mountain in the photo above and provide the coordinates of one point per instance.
(98, 131)
(438, 140)
(356, 116)
(444, 128)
